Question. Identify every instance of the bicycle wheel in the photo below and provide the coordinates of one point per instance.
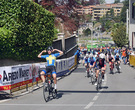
(54, 94)
(99, 82)
(46, 93)
(92, 78)
(97, 87)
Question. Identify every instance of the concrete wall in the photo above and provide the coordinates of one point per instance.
(131, 26)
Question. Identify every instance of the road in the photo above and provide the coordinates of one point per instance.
(75, 92)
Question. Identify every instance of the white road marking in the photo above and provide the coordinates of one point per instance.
(95, 98)
(89, 105)
(113, 105)
(70, 105)
(50, 105)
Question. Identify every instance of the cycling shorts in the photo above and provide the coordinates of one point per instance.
(50, 69)
(100, 67)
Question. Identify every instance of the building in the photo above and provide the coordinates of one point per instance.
(101, 10)
(85, 9)
(132, 24)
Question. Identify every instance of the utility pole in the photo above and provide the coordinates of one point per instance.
(127, 20)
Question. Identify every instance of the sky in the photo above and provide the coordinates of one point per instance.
(111, 1)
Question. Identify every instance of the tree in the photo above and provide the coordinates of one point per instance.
(64, 9)
(119, 34)
(124, 9)
(117, 1)
(102, 1)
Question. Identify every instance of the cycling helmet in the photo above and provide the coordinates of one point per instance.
(102, 55)
(91, 55)
(117, 54)
(87, 55)
(50, 48)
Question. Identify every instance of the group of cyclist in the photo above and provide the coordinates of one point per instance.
(97, 60)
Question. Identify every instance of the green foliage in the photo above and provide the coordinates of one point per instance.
(117, 1)
(124, 10)
(102, 1)
(119, 34)
(25, 29)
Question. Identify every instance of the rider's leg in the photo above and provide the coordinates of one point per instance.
(42, 75)
(97, 72)
(55, 80)
(110, 65)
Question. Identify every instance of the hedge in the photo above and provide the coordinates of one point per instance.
(26, 28)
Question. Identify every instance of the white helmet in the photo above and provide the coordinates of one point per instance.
(102, 56)
(96, 53)
(117, 54)
(91, 55)
(87, 55)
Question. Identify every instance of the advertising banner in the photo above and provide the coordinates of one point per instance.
(5, 78)
(16, 77)
(61, 67)
(71, 62)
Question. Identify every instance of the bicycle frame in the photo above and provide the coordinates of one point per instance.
(99, 80)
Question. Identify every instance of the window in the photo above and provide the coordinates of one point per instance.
(133, 10)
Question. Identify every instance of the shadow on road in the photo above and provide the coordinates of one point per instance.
(4, 95)
(77, 91)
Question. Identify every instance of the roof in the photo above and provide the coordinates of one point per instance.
(109, 5)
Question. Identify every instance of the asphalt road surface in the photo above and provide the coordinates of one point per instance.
(75, 92)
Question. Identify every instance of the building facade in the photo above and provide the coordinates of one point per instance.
(101, 10)
(132, 24)
(85, 9)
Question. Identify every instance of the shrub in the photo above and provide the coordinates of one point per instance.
(25, 29)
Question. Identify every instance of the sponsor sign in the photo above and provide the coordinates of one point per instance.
(5, 78)
(71, 62)
(15, 77)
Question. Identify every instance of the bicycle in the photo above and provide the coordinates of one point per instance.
(48, 87)
(112, 67)
(117, 67)
(99, 80)
(93, 76)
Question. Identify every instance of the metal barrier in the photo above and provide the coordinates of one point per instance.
(132, 60)
(22, 77)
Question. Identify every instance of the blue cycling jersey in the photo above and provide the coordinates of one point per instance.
(117, 57)
(85, 60)
(91, 60)
(51, 59)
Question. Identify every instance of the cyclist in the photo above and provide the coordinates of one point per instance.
(118, 59)
(86, 64)
(100, 64)
(110, 59)
(51, 59)
(91, 61)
